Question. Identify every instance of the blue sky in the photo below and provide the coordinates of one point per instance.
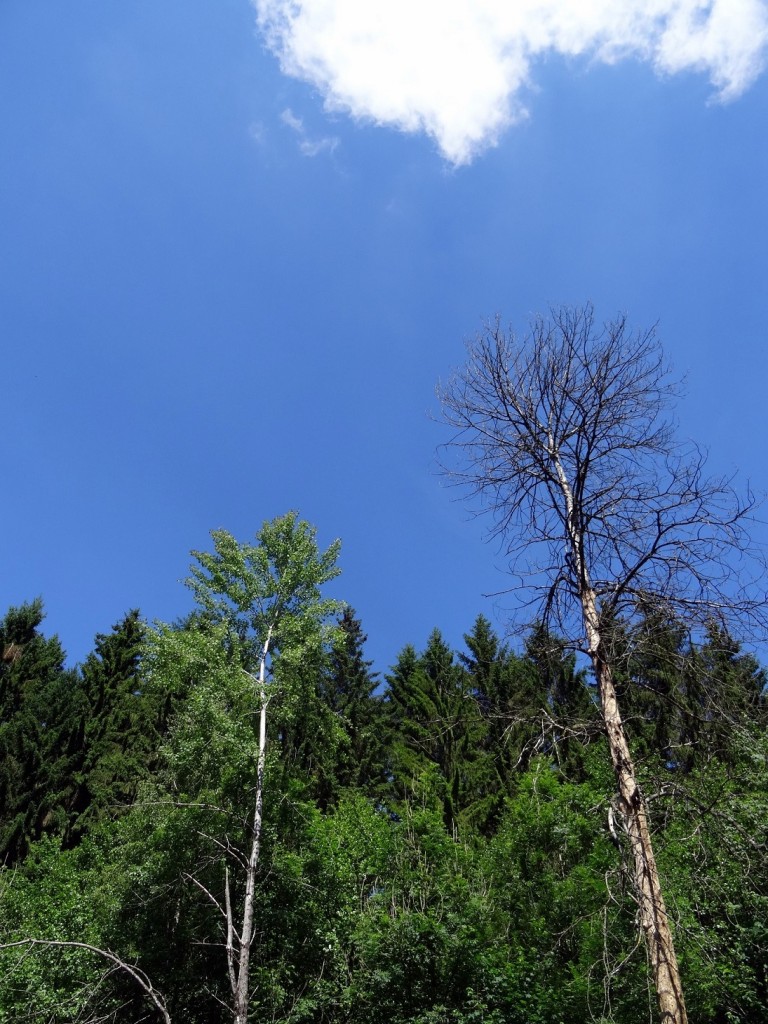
(241, 245)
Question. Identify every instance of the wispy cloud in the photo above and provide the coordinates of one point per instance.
(307, 145)
(456, 69)
(257, 132)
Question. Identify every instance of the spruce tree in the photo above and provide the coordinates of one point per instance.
(123, 724)
(436, 733)
(732, 696)
(510, 696)
(349, 690)
(41, 732)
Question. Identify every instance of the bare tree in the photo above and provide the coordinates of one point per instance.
(565, 436)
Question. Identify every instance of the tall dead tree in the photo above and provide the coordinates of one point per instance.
(565, 436)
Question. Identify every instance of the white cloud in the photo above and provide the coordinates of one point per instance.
(456, 69)
(257, 132)
(289, 118)
(308, 146)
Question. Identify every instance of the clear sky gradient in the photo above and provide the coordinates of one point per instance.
(233, 272)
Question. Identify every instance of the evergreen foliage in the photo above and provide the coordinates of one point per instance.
(436, 728)
(123, 724)
(42, 711)
(74, 743)
(444, 852)
(348, 690)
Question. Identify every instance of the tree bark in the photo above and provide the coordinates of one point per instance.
(241, 991)
(653, 915)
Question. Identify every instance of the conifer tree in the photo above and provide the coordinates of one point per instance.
(656, 683)
(348, 689)
(437, 731)
(510, 698)
(731, 695)
(122, 727)
(41, 732)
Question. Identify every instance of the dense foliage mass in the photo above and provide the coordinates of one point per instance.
(437, 847)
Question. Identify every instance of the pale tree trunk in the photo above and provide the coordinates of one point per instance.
(653, 914)
(239, 966)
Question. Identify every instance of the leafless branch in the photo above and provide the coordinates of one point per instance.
(196, 881)
(565, 437)
(596, 402)
(132, 970)
(231, 933)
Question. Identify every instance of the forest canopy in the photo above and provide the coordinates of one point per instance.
(234, 817)
(438, 845)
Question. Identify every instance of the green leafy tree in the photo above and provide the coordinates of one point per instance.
(562, 898)
(60, 912)
(714, 848)
(264, 622)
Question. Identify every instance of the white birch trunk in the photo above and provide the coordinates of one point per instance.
(239, 972)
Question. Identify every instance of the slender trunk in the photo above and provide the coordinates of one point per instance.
(653, 914)
(240, 990)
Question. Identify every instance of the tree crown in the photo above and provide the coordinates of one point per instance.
(566, 436)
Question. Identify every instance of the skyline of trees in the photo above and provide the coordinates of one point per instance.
(438, 846)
